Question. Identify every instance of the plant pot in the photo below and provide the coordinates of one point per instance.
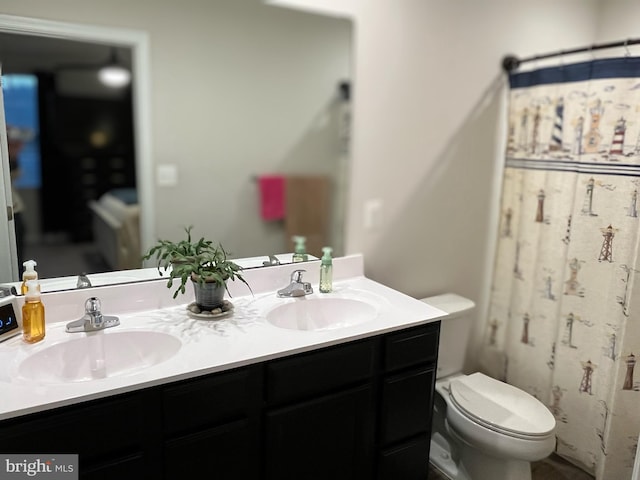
(209, 295)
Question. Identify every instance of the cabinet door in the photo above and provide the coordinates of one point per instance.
(132, 467)
(212, 426)
(228, 452)
(328, 438)
(409, 461)
(100, 431)
(407, 405)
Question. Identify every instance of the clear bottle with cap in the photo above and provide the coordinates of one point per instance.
(28, 274)
(326, 270)
(33, 322)
(300, 251)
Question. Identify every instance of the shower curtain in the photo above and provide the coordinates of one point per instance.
(564, 310)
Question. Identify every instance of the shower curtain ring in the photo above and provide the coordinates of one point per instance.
(627, 53)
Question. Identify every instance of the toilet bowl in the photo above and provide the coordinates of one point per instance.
(482, 428)
(492, 427)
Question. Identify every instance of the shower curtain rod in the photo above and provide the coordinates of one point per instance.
(511, 62)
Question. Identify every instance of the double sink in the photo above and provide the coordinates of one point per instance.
(65, 358)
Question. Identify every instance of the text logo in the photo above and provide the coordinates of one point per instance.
(49, 467)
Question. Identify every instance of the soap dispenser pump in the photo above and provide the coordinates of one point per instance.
(326, 270)
(300, 252)
(28, 274)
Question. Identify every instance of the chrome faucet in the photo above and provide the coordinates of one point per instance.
(93, 320)
(273, 260)
(83, 281)
(297, 288)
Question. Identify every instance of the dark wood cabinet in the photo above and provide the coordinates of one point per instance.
(118, 434)
(320, 372)
(212, 400)
(330, 437)
(406, 461)
(403, 412)
(406, 402)
(129, 467)
(211, 426)
(358, 410)
(229, 451)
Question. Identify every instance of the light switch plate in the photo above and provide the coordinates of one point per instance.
(167, 175)
(372, 214)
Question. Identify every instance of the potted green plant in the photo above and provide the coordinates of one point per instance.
(207, 266)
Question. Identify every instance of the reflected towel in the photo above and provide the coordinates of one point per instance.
(272, 197)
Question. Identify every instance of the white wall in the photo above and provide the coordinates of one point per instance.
(618, 21)
(238, 89)
(427, 90)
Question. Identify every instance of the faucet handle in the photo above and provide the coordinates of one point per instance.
(92, 310)
(296, 275)
(92, 305)
(92, 319)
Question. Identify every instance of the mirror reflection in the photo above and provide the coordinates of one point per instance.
(71, 150)
(55, 228)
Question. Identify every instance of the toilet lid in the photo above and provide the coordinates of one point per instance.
(500, 406)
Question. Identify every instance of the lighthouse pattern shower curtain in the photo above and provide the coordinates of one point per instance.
(564, 313)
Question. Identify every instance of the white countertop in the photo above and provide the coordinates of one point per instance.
(242, 338)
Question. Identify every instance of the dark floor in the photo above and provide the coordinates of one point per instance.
(59, 259)
(552, 468)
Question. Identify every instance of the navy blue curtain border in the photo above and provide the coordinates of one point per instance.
(624, 67)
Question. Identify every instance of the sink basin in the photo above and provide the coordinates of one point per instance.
(86, 357)
(321, 313)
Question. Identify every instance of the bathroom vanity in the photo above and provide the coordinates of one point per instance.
(244, 399)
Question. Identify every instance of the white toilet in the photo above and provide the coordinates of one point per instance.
(482, 428)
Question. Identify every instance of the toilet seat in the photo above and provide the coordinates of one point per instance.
(501, 407)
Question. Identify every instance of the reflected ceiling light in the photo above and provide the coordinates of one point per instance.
(113, 74)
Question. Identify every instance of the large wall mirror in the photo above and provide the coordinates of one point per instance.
(96, 144)
(63, 112)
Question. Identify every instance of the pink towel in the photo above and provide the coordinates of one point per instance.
(272, 197)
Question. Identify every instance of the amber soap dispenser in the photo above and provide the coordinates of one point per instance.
(33, 314)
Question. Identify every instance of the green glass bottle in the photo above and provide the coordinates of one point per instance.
(300, 252)
(326, 271)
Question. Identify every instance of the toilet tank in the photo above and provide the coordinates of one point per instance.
(454, 331)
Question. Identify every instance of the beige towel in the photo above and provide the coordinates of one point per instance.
(308, 211)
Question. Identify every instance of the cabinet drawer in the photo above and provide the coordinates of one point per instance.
(407, 405)
(211, 400)
(411, 347)
(319, 372)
